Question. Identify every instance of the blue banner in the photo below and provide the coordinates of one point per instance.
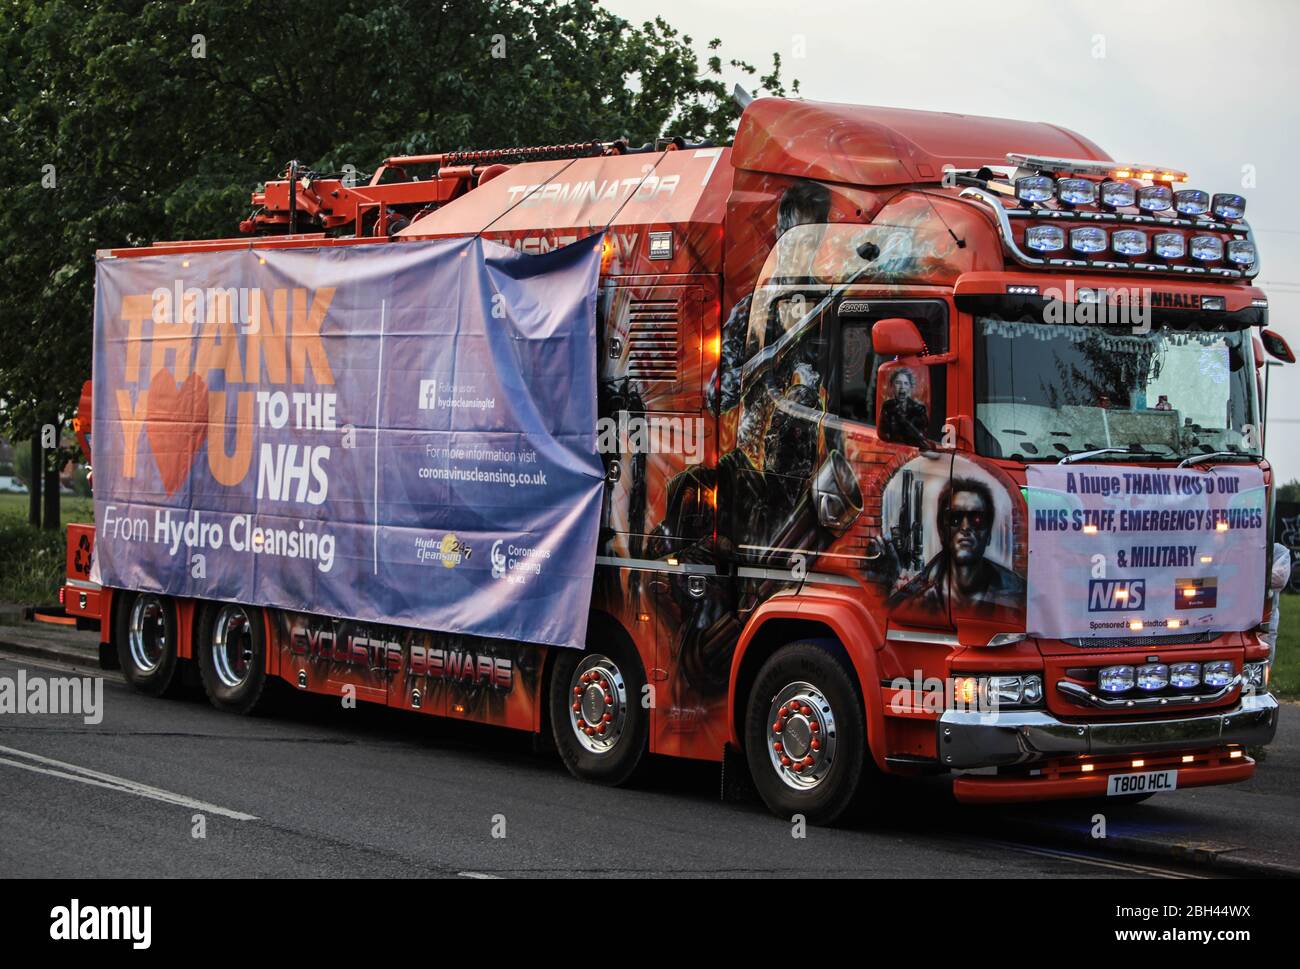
(398, 433)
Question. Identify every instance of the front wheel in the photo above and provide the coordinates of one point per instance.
(232, 656)
(805, 738)
(597, 717)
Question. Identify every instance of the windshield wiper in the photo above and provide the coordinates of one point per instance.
(1133, 452)
(1187, 462)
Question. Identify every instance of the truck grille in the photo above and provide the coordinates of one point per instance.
(652, 339)
(1143, 642)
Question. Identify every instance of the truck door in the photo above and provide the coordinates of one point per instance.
(887, 416)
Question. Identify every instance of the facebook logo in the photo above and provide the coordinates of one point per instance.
(428, 394)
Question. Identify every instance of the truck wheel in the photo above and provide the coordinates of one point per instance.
(599, 724)
(804, 734)
(146, 642)
(232, 656)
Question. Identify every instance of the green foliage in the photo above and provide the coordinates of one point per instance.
(1290, 491)
(137, 139)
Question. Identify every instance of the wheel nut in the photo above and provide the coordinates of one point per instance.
(816, 744)
(777, 746)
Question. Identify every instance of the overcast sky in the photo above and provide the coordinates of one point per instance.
(1206, 87)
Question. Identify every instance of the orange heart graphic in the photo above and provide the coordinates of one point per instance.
(177, 425)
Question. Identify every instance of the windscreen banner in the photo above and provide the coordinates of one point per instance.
(396, 433)
(1124, 552)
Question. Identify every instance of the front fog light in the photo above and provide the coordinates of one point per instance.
(1076, 191)
(1184, 676)
(1241, 252)
(1153, 676)
(1115, 679)
(1170, 245)
(1155, 198)
(1255, 675)
(1228, 206)
(1035, 188)
(1129, 242)
(1031, 689)
(1118, 195)
(1088, 238)
(1045, 238)
(1207, 248)
(1217, 672)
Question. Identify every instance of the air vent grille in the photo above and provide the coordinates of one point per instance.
(652, 339)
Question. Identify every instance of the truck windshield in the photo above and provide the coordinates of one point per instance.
(1044, 391)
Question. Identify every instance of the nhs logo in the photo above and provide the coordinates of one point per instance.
(428, 394)
(1116, 595)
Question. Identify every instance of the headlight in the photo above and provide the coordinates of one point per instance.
(1129, 242)
(1116, 679)
(1035, 188)
(1207, 248)
(1169, 245)
(1003, 690)
(1045, 238)
(1118, 195)
(1076, 191)
(1242, 252)
(1217, 672)
(1155, 198)
(1184, 676)
(1192, 201)
(1153, 676)
(1088, 238)
(1255, 675)
(1228, 206)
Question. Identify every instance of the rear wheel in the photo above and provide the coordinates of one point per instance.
(232, 656)
(599, 724)
(146, 642)
(805, 738)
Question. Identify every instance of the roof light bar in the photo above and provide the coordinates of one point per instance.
(1088, 166)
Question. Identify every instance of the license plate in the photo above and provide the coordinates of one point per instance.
(1149, 782)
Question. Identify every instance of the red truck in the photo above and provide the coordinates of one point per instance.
(872, 378)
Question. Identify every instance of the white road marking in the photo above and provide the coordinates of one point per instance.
(1082, 859)
(71, 772)
(478, 874)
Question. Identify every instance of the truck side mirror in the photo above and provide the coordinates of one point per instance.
(1276, 346)
(896, 337)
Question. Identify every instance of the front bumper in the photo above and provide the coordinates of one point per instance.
(970, 739)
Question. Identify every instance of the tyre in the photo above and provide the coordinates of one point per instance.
(600, 727)
(232, 656)
(146, 642)
(805, 737)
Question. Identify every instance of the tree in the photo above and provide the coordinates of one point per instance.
(1289, 492)
(125, 123)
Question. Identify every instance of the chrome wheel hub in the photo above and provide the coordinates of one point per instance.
(598, 703)
(801, 735)
(232, 646)
(147, 636)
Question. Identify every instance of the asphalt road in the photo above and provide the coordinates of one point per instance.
(316, 790)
